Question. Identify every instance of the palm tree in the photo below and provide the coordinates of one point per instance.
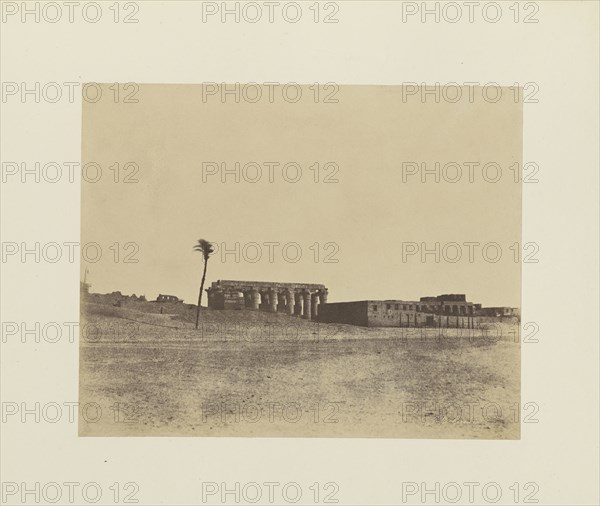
(206, 249)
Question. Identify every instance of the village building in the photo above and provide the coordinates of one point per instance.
(167, 298)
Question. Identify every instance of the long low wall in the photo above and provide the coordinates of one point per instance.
(364, 314)
(353, 313)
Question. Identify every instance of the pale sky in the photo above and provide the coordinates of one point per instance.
(366, 216)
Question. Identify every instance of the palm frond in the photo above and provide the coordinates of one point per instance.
(205, 247)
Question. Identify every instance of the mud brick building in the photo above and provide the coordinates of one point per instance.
(498, 311)
(448, 310)
(167, 298)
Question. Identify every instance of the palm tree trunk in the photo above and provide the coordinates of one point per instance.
(200, 294)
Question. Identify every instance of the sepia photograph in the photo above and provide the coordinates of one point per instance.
(302, 261)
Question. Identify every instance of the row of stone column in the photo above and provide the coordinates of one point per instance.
(303, 302)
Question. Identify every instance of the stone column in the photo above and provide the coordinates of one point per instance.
(323, 296)
(291, 301)
(254, 299)
(314, 306)
(273, 300)
(219, 298)
(298, 307)
(281, 302)
(306, 296)
(264, 300)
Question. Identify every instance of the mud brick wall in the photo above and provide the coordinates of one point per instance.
(354, 313)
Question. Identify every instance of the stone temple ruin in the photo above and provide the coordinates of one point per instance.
(309, 301)
(300, 299)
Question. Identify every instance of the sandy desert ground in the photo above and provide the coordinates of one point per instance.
(248, 373)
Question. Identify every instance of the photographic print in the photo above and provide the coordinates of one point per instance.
(310, 260)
